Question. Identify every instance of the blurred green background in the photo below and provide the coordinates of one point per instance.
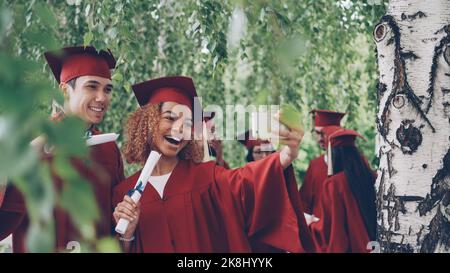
(310, 53)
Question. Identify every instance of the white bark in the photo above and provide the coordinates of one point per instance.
(414, 79)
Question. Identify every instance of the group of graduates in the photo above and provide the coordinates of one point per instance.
(191, 205)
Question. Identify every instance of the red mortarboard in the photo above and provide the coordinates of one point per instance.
(178, 89)
(249, 142)
(324, 118)
(338, 136)
(71, 62)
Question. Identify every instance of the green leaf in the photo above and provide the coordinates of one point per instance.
(117, 77)
(40, 237)
(45, 14)
(127, 87)
(68, 136)
(112, 33)
(262, 15)
(5, 20)
(87, 39)
(78, 199)
(108, 245)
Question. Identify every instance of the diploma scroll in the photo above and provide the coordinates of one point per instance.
(100, 139)
(136, 193)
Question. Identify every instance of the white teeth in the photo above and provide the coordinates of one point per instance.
(96, 109)
(174, 138)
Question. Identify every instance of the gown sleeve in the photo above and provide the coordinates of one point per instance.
(307, 190)
(12, 212)
(120, 168)
(268, 197)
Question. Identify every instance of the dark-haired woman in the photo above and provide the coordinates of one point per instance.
(348, 221)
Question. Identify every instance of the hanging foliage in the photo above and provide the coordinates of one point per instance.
(310, 53)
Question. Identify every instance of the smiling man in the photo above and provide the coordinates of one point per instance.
(84, 77)
(91, 103)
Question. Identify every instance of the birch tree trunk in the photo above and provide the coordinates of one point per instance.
(413, 123)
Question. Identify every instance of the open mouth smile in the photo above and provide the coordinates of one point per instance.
(97, 109)
(173, 140)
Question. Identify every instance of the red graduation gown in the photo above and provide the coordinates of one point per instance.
(13, 219)
(104, 171)
(313, 185)
(207, 208)
(341, 228)
(226, 165)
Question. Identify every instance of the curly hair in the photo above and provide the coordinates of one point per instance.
(141, 129)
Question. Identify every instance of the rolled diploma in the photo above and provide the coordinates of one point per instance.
(150, 164)
(100, 139)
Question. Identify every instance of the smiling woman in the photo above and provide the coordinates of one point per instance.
(139, 129)
(202, 207)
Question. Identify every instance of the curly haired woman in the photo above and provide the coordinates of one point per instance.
(201, 207)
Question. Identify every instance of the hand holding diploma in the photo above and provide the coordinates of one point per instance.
(127, 211)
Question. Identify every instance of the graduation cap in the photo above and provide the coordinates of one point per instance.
(338, 136)
(324, 118)
(249, 142)
(178, 89)
(72, 62)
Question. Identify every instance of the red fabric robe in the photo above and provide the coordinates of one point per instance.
(13, 219)
(207, 208)
(226, 165)
(103, 172)
(341, 227)
(313, 184)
